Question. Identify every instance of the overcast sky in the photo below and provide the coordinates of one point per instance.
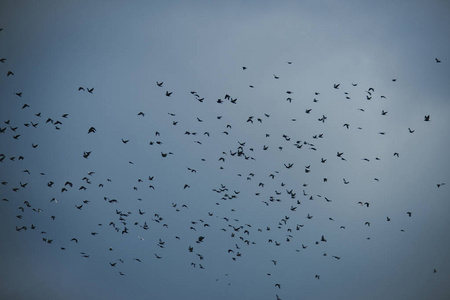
(252, 182)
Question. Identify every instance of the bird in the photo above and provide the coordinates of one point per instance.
(90, 90)
(336, 85)
(427, 118)
(160, 84)
(9, 73)
(437, 60)
(168, 93)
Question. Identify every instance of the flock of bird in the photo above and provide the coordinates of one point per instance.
(269, 188)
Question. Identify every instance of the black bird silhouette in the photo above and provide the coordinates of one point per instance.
(427, 118)
(336, 85)
(81, 88)
(9, 73)
(159, 83)
(437, 60)
(168, 93)
(90, 90)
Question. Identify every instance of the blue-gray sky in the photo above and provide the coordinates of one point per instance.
(123, 49)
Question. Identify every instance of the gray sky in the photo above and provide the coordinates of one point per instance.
(123, 49)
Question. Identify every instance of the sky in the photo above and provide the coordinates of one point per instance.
(278, 159)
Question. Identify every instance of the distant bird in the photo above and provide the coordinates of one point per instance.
(410, 130)
(336, 85)
(427, 118)
(81, 88)
(9, 73)
(91, 130)
(2, 60)
(437, 60)
(275, 76)
(168, 93)
(90, 90)
(409, 213)
(141, 114)
(160, 84)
